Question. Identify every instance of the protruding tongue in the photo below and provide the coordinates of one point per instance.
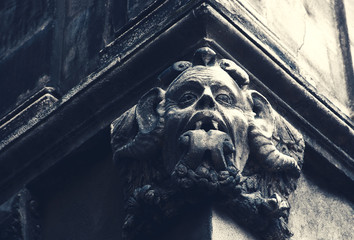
(213, 146)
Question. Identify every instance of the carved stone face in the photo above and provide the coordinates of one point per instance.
(207, 114)
(203, 128)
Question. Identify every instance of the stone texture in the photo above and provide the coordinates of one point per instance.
(226, 229)
(88, 27)
(320, 213)
(135, 7)
(207, 136)
(25, 49)
(26, 119)
(308, 32)
(349, 9)
(82, 199)
(20, 20)
(317, 213)
(52, 43)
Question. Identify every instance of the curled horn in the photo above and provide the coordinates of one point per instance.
(167, 76)
(261, 129)
(144, 123)
(236, 72)
(270, 157)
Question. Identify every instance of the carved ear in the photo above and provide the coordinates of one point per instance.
(137, 133)
(147, 114)
(264, 116)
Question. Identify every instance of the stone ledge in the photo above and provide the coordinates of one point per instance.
(26, 116)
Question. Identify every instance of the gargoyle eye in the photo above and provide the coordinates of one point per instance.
(187, 99)
(224, 99)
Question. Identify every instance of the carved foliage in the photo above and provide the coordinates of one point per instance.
(20, 218)
(207, 137)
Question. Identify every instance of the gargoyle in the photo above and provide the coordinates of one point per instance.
(207, 137)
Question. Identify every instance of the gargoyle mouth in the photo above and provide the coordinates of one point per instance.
(206, 121)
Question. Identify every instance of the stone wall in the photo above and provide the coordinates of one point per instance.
(69, 68)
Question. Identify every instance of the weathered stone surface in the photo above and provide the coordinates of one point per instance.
(135, 7)
(52, 44)
(349, 14)
(207, 138)
(89, 196)
(88, 27)
(349, 10)
(307, 31)
(320, 213)
(223, 227)
(26, 30)
(19, 218)
(20, 20)
(26, 69)
(26, 119)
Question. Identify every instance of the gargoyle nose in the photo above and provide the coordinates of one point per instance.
(206, 101)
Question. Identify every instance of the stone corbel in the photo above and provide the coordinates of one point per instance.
(206, 139)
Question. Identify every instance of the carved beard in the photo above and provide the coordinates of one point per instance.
(151, 206)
